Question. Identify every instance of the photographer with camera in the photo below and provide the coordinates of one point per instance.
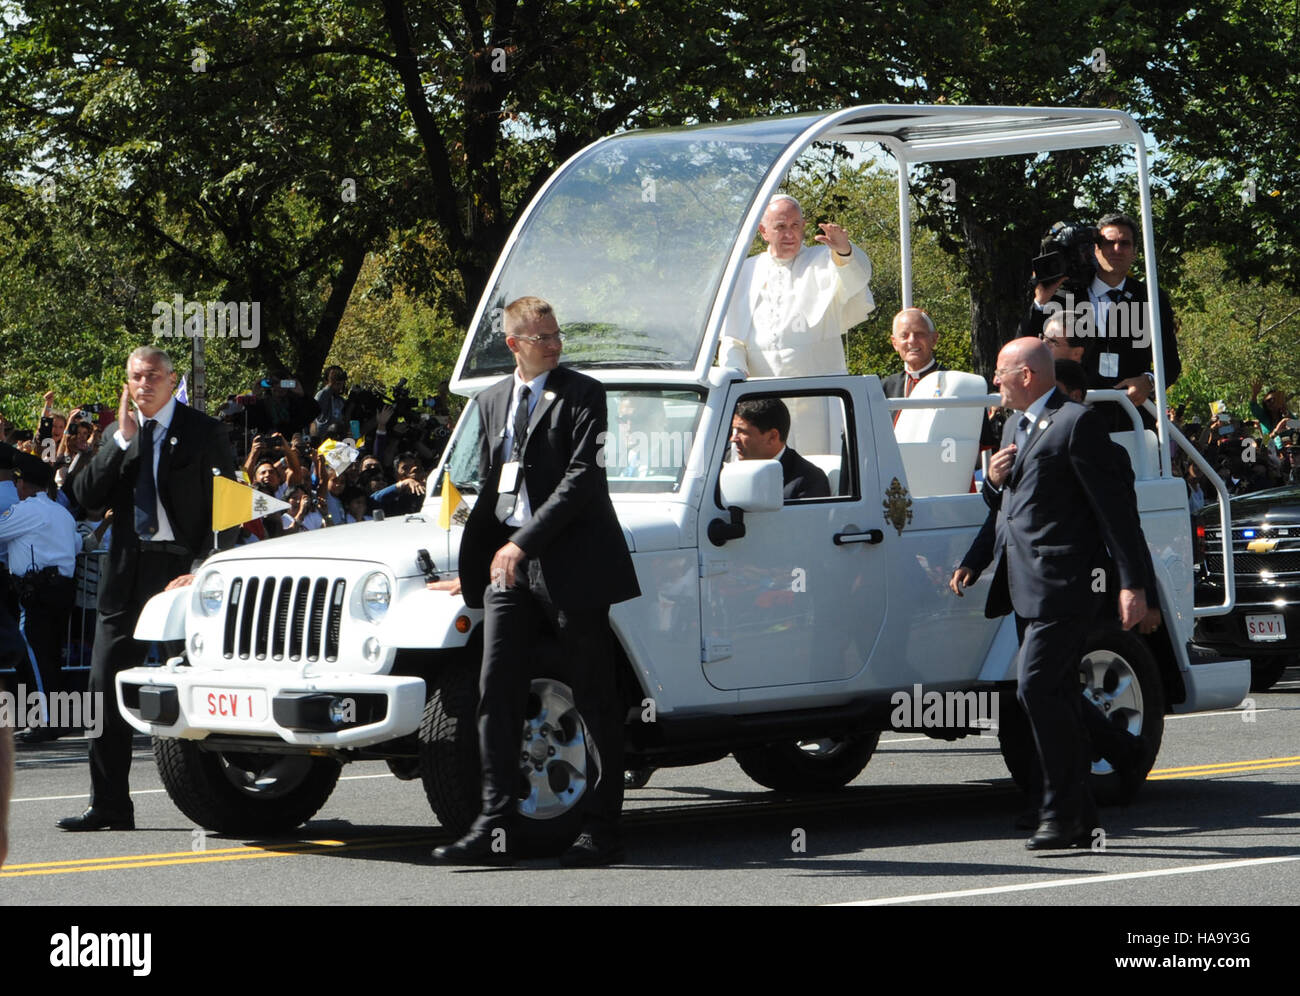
(274, 449)
(1084, 271)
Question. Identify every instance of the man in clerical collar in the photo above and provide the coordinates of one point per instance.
(914, 339)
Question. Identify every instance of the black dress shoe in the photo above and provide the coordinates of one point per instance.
(475, 848)
(98, 819)
(37, 735)
(590, 851)
(637, 778)
(1053, 835)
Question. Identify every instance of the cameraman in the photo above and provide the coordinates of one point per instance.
(1120, 355)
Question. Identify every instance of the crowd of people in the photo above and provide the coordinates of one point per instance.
(339, 457)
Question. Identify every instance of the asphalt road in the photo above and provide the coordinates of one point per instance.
(927, 822)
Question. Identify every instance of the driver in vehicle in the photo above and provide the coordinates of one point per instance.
(758, 432)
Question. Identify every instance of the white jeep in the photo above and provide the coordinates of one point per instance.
(782, 633)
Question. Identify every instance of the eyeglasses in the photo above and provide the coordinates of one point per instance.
(1003, 371)
(542, 340)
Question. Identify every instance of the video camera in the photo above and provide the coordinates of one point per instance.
(1068, 250)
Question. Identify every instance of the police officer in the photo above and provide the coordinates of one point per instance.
(42, 542)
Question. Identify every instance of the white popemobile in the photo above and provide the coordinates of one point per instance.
(785, 634)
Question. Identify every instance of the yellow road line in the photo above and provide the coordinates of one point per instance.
(1224, 768)
(203, 857)
(1225, 763)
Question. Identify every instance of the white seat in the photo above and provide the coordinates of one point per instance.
(1150, 443)
(940, 446)
(829, 465)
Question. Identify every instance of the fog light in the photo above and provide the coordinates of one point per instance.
(342, 711)
(196, 645)
(372, 649)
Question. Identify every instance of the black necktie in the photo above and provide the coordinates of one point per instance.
(1022, 432)
(520, 429)
(146, 490)
(1114, 294)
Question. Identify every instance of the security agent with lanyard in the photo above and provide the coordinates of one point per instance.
(1060, 507)
(155, 471)
(1119, 355)
(40, 537)
(543, 549)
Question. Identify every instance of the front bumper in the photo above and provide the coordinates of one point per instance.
(332, 710)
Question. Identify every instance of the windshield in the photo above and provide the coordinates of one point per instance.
(630, 243)
(645, 450)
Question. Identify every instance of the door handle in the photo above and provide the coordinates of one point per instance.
(872, 536)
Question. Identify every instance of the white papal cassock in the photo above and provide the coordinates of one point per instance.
(787, 318)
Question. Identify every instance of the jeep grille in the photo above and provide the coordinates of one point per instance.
(284, 617)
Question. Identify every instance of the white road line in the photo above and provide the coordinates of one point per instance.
(903, 740)
(1059, 883)
(1227, 712)
(353, 778)
(83, 795)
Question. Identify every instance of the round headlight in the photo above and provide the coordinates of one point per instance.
(212, 593)
(376, 593)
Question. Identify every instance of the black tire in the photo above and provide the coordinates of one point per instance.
(808, 765)
(1124, 681)
(244, 794)
(550, 817)
(1265, 672)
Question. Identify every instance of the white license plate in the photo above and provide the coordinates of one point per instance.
(235, 706)
(1266, 629)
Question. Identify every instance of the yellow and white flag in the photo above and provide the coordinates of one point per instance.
(450, 501)
(234, 504)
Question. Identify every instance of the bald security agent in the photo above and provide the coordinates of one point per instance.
(1060, 507)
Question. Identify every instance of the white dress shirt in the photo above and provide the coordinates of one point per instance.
(163, 422)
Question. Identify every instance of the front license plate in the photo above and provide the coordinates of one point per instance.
(1266, 629)
(231, 705)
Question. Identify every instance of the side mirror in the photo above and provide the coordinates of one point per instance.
(746, 486)
(752, 485)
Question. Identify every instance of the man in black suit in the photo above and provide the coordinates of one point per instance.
(1110, 315)
(154, 470)
(1060, 506)
(759, 430)
(543, 547)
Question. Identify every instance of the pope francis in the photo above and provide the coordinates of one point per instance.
(790, 310)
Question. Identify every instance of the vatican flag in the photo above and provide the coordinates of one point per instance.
(234, 504)
(450, 501)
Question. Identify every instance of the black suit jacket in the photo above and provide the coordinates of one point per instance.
(1063, 506)
(195, 446)
(573, 532)
(895, 384)
(801, 478)
(1133, 359)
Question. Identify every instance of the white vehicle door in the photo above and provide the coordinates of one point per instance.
(801, 597)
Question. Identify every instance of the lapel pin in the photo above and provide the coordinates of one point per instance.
(172, 442)
(1042, 424)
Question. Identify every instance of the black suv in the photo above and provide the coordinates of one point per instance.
(1265, 625)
